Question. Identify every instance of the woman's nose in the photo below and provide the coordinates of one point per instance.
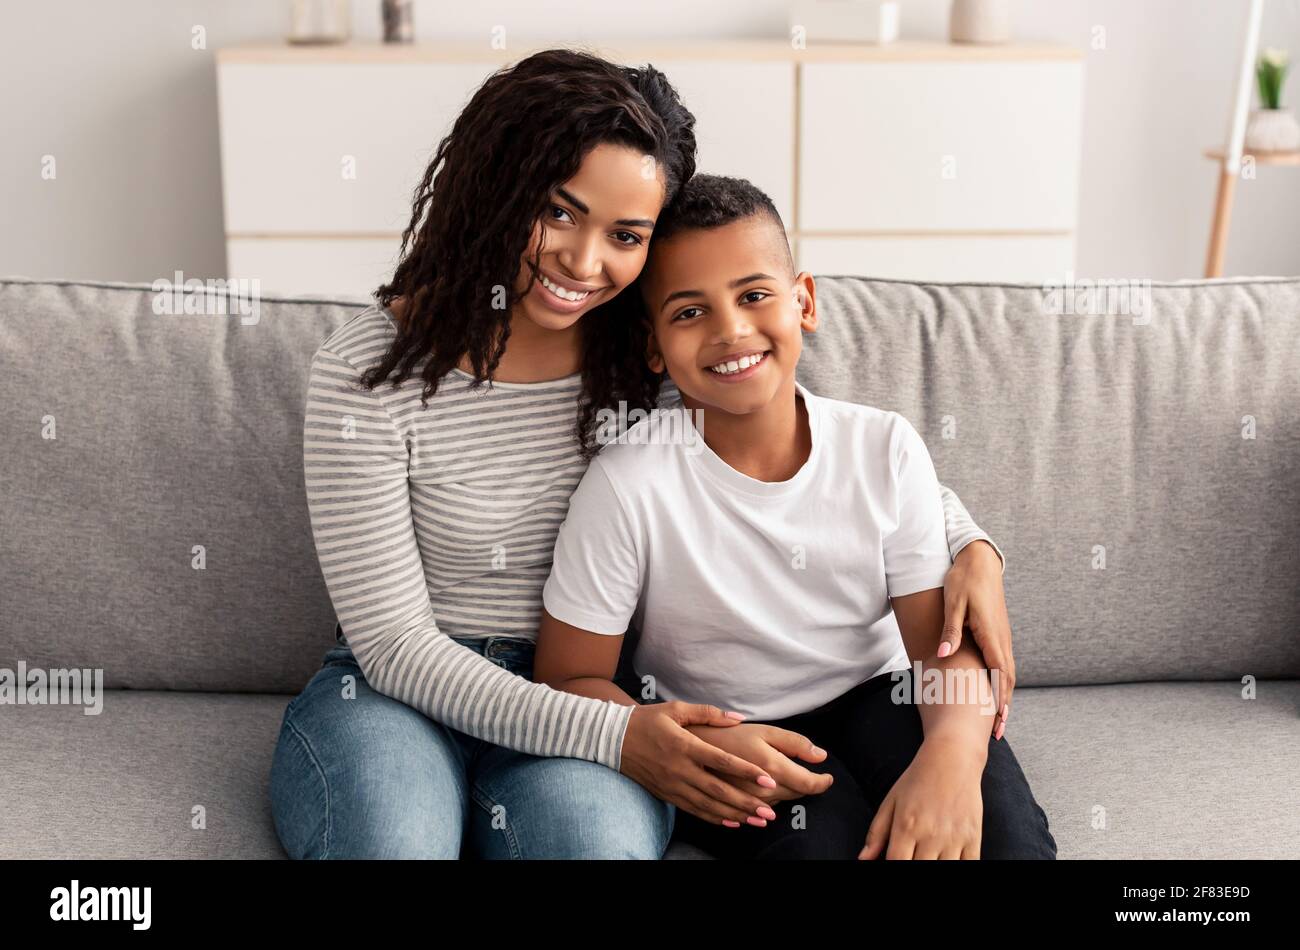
(581, 258)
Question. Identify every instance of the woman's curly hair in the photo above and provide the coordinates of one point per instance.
(524, 133)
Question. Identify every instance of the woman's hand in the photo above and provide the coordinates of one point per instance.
(934, 810)
(973, 597)
(662, 756)
(775, 750)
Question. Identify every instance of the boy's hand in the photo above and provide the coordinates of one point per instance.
(774, 750)
(934, 810)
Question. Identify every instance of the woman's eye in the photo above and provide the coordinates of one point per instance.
(636, 238)
(685, 313)
(562, 211)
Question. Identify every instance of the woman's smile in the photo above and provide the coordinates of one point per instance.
(564, 296)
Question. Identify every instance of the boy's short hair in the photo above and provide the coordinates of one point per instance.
(711, 201)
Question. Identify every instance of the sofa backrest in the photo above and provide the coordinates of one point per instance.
(153, 522)
(178, 438)
(1140, 471)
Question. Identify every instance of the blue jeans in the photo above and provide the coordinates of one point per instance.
(371, 777)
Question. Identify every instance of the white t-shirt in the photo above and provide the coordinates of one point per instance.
(768, 598)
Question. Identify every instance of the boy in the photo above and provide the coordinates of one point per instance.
(760, 563)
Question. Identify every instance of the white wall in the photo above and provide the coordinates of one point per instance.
(113, 90)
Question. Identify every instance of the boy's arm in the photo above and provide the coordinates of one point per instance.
(916, 563)
(963, 719)
(578, 661)
(594, 585)
(591, 594)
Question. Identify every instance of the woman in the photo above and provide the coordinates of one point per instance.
(435, 500)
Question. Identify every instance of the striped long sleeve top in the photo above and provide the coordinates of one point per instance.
(440, 521)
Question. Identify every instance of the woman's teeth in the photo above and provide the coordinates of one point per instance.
(735, 366)
(561, 292)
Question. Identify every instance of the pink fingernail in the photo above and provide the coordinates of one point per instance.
(734, 715)
(944, 649)
(756, 822)
(730, 824)
(767, 781)
(765, 812)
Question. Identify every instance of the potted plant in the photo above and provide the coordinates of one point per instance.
(1272, 128)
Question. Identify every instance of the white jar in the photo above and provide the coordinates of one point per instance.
(319, 21)
(980, 21)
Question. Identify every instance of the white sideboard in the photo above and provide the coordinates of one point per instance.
(915, 160)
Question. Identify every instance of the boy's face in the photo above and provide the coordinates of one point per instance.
(726, 296)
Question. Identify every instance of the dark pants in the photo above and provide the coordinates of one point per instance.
(870, 741)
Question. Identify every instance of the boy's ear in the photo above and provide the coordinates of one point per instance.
(652, 355)
(804, 294)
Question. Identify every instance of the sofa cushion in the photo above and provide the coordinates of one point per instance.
(1163, 770)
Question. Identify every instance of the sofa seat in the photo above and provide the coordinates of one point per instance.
(1177, 770)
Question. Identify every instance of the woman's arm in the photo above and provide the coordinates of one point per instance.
(355, 464)
(974, 597)
(961, 527)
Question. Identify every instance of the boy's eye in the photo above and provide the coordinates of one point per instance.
(761, 295)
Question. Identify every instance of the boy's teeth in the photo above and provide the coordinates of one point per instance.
(561, 292)
(735, 366)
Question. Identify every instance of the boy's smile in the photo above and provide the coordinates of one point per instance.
(737, 366)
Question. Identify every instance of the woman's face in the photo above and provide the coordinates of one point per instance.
(593, 236)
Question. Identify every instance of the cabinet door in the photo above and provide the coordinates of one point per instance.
(1028, 259)
(939, 146)
(292, 135)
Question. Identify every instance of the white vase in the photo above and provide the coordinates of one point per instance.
(980, 21)
(1272, 130)
(319, 21)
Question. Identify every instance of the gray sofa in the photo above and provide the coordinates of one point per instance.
(153, 524)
